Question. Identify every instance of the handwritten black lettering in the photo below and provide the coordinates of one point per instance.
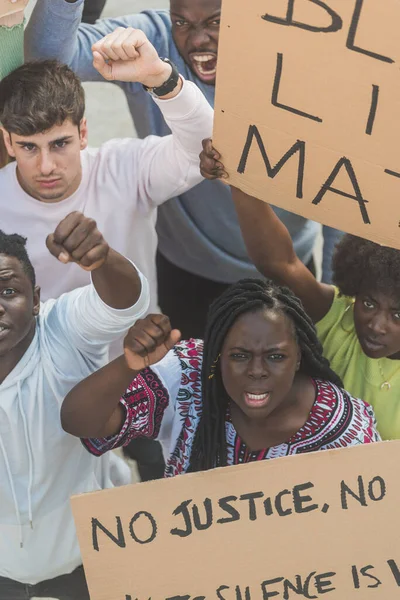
(346, 491)
(221, 589)
(307, 586)
(365, 573)
(376, 497)
(335, 25)
(356, 579)
(268, 582)
(373, 109)
(118, 539)
(252, 505)
(152, 522)
(327, 186)
(299, 500)
(288, 585)
(321, 585)
(395, 570)
(208, 513)
(350, 44)
(224, 503)
(275, 94)
(268, 507)
(183, 509)
(278, 504)
(393, 173)
(299, 147)
(239, 593)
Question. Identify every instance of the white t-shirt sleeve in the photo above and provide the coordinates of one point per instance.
(171, 165)
(82, 320)
(158, 168)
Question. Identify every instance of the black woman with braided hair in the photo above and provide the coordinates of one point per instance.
(257, 388)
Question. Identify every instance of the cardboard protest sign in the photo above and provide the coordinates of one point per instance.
(7, 7)
(306, 526)
(307, 110)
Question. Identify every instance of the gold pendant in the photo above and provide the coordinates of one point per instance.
(386, 386)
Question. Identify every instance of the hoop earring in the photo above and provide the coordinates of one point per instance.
(213, 367)
(344, 314)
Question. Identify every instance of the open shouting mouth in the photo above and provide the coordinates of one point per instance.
(257, 400)
(204, 64)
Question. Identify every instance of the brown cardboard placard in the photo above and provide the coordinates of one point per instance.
(323, 523)
(9, 8)
(307, 109)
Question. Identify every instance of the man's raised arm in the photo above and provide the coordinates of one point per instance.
(115, 279)
(160, 167)
(84, 322)
(55, 31)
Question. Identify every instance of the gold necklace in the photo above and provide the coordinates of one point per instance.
(386, 385)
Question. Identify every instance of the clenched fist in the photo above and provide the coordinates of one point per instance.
(127, 55)
(77, 239)
(148, 341)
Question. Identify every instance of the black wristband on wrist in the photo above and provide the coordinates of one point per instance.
(168, 86)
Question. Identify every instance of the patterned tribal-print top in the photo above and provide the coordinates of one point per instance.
(164, 403)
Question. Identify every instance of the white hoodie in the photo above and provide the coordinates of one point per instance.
(41, 466)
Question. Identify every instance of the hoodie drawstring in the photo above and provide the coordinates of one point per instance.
(10, 479)
(30, 456)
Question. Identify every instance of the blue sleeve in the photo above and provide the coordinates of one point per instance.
(55, 31)
(331, 238)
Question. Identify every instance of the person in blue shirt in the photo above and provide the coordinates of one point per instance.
(201, 250)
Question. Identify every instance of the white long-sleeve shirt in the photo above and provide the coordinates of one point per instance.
(122, 184)
(41, 466)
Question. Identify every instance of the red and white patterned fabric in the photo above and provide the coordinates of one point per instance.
(164, 402)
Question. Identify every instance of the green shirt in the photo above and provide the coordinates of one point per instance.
(11, 48)
(362, 376)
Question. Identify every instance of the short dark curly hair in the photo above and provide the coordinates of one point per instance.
(15, 245)
(360, 264)
(39, 95)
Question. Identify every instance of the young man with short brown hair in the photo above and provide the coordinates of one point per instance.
(121, 184)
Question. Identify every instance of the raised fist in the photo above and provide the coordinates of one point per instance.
(148, 341)
(127, 55)
(77, 239)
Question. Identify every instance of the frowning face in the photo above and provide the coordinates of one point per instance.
(195, 28)
(377, 323)
(49, 163)
(19, 304)
(259, 361)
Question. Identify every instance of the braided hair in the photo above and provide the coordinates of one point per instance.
(248, 295)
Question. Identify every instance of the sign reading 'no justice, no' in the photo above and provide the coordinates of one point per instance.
(308, 109)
